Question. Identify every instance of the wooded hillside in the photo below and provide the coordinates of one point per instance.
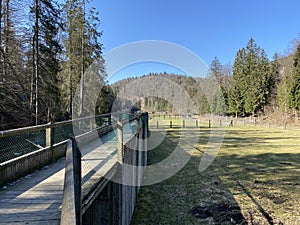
(253, 86)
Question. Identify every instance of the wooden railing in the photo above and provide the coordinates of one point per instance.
(113, 199)
(35, 155)
(71, 203)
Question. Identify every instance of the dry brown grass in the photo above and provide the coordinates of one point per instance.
(255, 179)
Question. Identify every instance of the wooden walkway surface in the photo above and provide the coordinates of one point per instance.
(37, 198)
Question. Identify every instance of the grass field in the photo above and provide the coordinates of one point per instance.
(255, 179)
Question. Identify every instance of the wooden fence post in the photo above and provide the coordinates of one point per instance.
(170, 123)
(137, 124)
(50, 141)
(183, 123)
(209, 125)
(120, 142)
(71, 203)
(146, 138)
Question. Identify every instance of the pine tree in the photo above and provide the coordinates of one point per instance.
(237, 91)
(220, 99)
(294, 93)
(283, 95)
(82, 47)
(275, 81)
(43, 60)
(252, 78)
(216, 69)
(235, 100)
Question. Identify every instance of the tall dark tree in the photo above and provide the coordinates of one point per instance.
(252, 78)
(275, 82)
(216, 69)
(44, 59)
(82, 47)
(294, 93)
(13, 89)
(220, 99)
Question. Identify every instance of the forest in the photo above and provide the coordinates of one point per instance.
(47, 46)
(45, 49)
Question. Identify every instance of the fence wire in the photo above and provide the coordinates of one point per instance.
(15, 145)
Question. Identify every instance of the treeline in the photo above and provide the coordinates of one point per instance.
(45, 48)
(253, 85)
(258, 84)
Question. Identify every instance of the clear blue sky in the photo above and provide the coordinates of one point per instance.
(209, 28)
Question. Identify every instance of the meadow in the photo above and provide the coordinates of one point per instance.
(255, 178)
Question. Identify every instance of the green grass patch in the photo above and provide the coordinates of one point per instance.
(255, 179)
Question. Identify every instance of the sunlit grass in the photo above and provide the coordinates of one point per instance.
(256, 174)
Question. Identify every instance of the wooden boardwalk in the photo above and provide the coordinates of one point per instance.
(37, 198)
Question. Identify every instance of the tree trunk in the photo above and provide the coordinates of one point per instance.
(6, 38)
(32, 85)
(82, 63)
(71, 94)
(36, 62)
(2, 77)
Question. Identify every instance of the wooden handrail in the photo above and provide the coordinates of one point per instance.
(71, 204)
(23, 130)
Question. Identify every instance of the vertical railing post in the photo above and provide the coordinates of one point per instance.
(140, 155)
(77, 180)
(91, 122)
(137, 125)
(120, 160)
(145, 138)
(50, 141)
(71, 202)
(120, 142)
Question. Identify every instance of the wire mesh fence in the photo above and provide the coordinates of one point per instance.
(18, 142)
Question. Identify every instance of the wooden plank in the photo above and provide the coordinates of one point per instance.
(36, 198)
(48, 222)
(24, 206)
